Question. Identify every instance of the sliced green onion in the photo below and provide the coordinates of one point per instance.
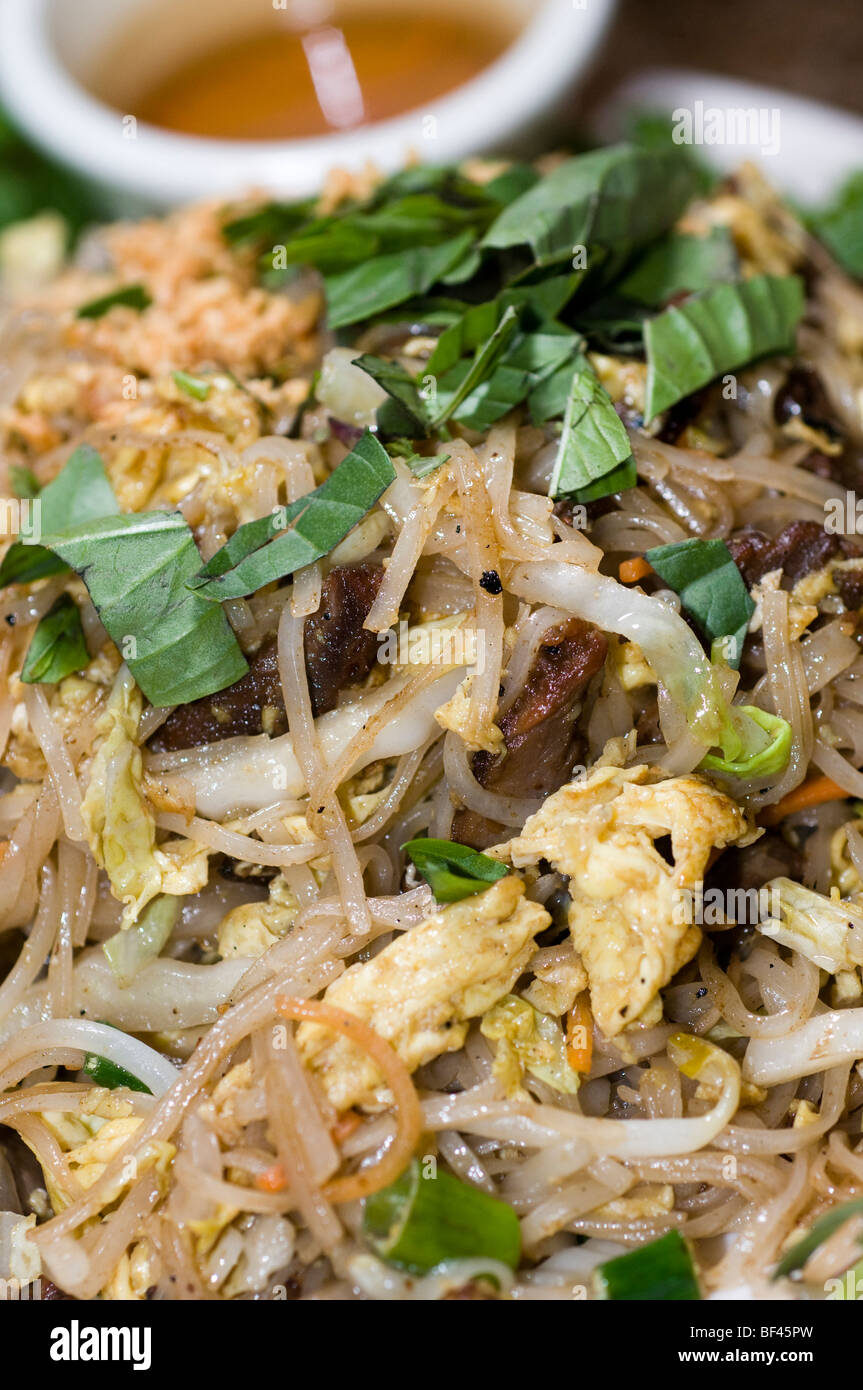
(662, 1271)
(108, 1074)
(799, 1253)
(421, 1221)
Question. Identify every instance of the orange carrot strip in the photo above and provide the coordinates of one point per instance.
(579, 1034)
(409, 1123)
(632, 570)
(812, 793)
(272, 1179)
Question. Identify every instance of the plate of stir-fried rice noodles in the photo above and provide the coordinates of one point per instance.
(431, 712)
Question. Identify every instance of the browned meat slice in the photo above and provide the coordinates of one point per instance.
(339, 652)
(539, 729)
(799, 549)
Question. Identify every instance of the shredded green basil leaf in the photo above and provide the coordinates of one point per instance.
(58, 647)
(80, 492)
(840, 226)
(453, 871)
(262, 551)
(178, 646)
(379, 284)
(711, 589)
(681, 263)
(718, 331)
(129, 296)
(594, 446)
(616, 199)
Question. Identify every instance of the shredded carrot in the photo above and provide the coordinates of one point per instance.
(632, 570)
(409, 1121)
(811, 793)
(272, 1179)
(579, 1034)
(345, 1127)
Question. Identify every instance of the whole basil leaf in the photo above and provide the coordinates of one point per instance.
(617, 199)
(718, 331)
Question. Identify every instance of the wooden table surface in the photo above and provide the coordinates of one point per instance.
(811, 47)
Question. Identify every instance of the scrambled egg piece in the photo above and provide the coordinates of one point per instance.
(827, 931)
(121, 829)
(251, 928)
(422, 990)
(457, 715)
(801, 614)
(527, 1040)
(843, 874)
(633, 668)
(558, 979)
(626, 919)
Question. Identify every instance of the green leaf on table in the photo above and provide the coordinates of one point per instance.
(307, 529)
(720, 330)
(57, 647)
(80, 492)
(127, 296)
(178, 646)
(453, 871)
(594, 456)
(711, 589)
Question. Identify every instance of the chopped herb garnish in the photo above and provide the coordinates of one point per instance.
(718, 331)
(612, 200)
(109, 1074)
(80, 492)
(195, 386)
(127, 296)
(424, 1219)
(374, 286)
(840, 226)
(711, 590)
(594, 450)
(662, 1271)
(796, 1257)
(262, 551)
(680, 263)
(178, 646)
(58, 647)
(453, 871)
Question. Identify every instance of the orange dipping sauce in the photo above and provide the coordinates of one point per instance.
(284, 83)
